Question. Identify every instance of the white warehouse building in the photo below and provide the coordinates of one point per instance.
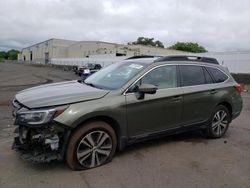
(52, 50)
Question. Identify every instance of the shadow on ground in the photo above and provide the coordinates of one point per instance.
(193, 137)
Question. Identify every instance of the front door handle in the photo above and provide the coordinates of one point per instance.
(177, 98)
(213, 91)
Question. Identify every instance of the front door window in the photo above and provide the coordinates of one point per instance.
(162, 77)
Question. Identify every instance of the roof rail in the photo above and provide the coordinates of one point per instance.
(142, 56)
(187, 58)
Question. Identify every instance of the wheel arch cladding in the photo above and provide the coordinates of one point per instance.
(228, 106)
(109, 120)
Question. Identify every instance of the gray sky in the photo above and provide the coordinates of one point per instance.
(218, 25)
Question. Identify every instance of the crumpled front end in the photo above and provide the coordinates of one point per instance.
(39, 143)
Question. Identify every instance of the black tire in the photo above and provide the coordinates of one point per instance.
(218, 124)
(81, 136)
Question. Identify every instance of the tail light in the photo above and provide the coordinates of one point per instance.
(237, 87)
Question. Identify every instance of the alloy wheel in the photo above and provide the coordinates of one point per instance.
(220, 122)
(94, 149)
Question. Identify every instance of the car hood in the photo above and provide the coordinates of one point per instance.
(58, 94)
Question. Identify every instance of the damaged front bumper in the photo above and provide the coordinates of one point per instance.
(41, 144)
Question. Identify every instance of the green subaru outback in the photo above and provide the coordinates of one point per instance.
(137, 99)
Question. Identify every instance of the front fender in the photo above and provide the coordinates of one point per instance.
(114, 108)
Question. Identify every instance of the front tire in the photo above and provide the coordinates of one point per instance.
(219, 122)
(90, 146)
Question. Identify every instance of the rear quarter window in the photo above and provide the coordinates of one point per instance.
(218, 75)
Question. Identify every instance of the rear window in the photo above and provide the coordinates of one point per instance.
(218, 75)
(192, 75)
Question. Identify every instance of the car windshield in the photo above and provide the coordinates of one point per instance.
(114, 76)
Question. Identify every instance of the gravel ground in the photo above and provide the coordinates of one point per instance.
(185, 160)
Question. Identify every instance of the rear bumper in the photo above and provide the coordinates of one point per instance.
(235, 115)
(237, 105)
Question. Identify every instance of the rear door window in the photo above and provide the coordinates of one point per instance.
(218, 75)
(192, 75)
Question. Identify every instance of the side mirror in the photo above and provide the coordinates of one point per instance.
(146, 89)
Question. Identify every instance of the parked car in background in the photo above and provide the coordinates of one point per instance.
(88, 68)
(85, 74)
(94, 67)
(124, 103)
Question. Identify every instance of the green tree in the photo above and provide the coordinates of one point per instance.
(188, 47)
(12, 54)
(3, 55)
(159, 44)
(147, 42)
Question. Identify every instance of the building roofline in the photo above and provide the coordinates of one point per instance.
(37, 44)
(47, 41)
(128, 45)
(98, 41)
(154, 47)
(103, 42)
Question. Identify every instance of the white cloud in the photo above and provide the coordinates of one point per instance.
(217, 25)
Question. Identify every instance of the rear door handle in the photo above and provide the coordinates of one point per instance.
(177, 98)
(213, 91)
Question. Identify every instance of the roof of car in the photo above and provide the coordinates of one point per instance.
(143, 57)
(188, 58)
(173, 59)
(141, 60)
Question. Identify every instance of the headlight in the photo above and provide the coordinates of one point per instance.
(35, 117)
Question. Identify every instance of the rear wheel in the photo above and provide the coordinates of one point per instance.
(219, 122)
(92, 145)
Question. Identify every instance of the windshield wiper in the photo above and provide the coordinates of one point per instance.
(89, 84)
(92, 85)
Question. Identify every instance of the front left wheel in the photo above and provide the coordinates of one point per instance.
(90, 146)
